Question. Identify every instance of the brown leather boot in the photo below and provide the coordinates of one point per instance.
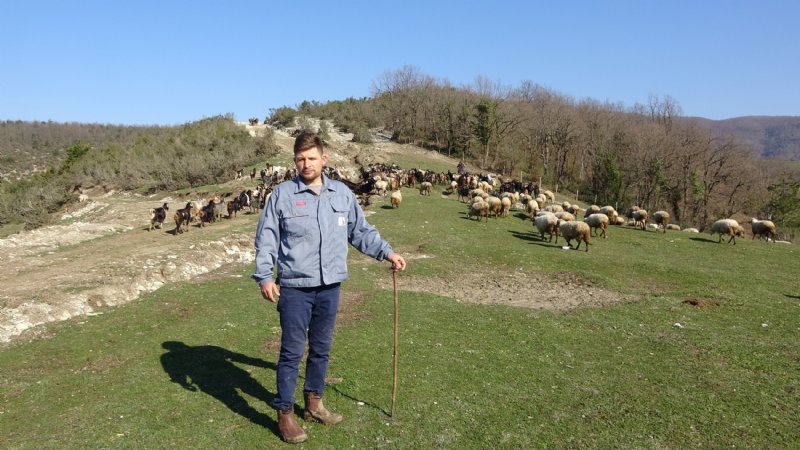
(288, 427)
(316, 412)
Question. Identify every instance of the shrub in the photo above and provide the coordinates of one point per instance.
(284, 116)
(361, 133)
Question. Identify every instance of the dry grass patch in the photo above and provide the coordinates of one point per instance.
(556, 292)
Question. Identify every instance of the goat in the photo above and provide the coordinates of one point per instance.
(158, 216)
(183, 217)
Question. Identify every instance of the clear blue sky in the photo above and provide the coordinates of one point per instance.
(171, 62)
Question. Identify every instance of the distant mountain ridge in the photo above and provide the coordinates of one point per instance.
(770, 137)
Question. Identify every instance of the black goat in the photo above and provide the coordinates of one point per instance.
(158, 216)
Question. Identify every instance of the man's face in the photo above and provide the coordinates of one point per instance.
(309, 165)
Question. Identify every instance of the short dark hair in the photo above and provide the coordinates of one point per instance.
(306, 140)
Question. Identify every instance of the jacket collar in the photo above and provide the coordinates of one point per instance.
(299, 186)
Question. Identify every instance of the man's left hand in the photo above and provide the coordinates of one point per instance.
(398, 262)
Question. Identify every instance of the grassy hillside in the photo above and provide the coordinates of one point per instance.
(193, 364)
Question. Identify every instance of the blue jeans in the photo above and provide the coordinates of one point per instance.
(305, 312)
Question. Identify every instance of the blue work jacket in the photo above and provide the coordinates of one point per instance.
(307, 235)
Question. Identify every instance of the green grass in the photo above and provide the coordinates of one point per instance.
(470, 376)
(10, 228)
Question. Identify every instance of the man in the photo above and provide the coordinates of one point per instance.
(305, 229)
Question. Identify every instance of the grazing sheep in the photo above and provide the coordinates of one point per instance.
(579, 231)
(554, 208)
(542, 199)
(564, 216)
(547, 222)
(573, 209)
(550, 196)
(505, 206)
(763, 228)
(610, 212)
(495, 205)
(477, 193)
(661, 218)
(729, 227)
(532, 207)
(594, 209)
(596, 221)
(565, 204)
(478, 208)
(425, 188)
(691, 230)
(396, 198)
(673, 226)
(640, 218)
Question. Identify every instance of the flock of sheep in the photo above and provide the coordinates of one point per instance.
(553, 220)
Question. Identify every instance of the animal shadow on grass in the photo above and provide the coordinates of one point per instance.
(707, 240)
(796, 297)
(522, 216)
(534, 238)
(211, 369)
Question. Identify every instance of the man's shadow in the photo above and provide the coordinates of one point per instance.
(211, 370)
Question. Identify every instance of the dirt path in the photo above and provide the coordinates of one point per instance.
(103, 255)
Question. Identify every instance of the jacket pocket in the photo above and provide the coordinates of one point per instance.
(297, 226)
(340, 204)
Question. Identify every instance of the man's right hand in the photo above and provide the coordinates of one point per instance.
(270, 291)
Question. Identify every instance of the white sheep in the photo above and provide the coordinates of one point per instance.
(546, 222)
(505, 206)
(425, 188)
(579, 231)
(765, 228)
(564, 216)
(380, 187)
(673, 226)
(554, 208)
(596, 221)
(661, 218)
(640, 218)
(396, 198)
(691, 230)
(477, 193)
(610, 212)
(532, 207)
(729, 227)
(478, 208)
(550, 196)
(594, 209)
(573, 209)
(495, 205)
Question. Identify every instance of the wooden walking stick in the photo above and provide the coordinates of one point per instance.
(394, 353)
